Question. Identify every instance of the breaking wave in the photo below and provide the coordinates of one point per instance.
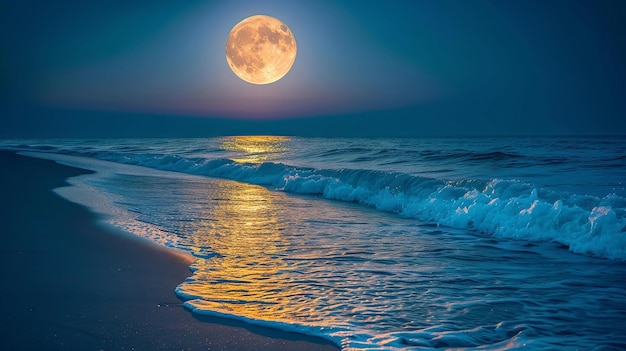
(503, 208)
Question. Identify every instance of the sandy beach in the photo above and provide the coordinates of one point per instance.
(70, 284)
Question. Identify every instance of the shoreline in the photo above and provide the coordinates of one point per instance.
(71, 283)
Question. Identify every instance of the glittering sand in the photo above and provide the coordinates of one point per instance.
(69, 284)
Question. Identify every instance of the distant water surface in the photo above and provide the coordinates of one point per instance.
(382, 244)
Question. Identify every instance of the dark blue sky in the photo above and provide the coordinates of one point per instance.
(157, 68)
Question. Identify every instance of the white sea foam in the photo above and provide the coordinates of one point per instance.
(502, 208)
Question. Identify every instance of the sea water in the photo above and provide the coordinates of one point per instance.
(382, 244)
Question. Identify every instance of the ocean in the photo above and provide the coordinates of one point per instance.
(483, 243)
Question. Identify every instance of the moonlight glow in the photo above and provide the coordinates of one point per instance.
(260, 49)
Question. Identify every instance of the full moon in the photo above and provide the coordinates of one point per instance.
(260, 49)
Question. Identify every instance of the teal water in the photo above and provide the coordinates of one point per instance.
(475, 243)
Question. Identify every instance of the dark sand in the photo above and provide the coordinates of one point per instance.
(69, 284)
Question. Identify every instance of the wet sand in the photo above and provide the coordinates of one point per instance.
(71, 284)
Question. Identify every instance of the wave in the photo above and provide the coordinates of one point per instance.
(503, 208)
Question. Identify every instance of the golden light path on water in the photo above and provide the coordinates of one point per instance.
(288, 259)
(256, 148)
(245, 230)
(251, 274)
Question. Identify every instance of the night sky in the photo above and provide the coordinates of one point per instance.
(364, 68)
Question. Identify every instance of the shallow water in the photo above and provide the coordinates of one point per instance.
(362, 274)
